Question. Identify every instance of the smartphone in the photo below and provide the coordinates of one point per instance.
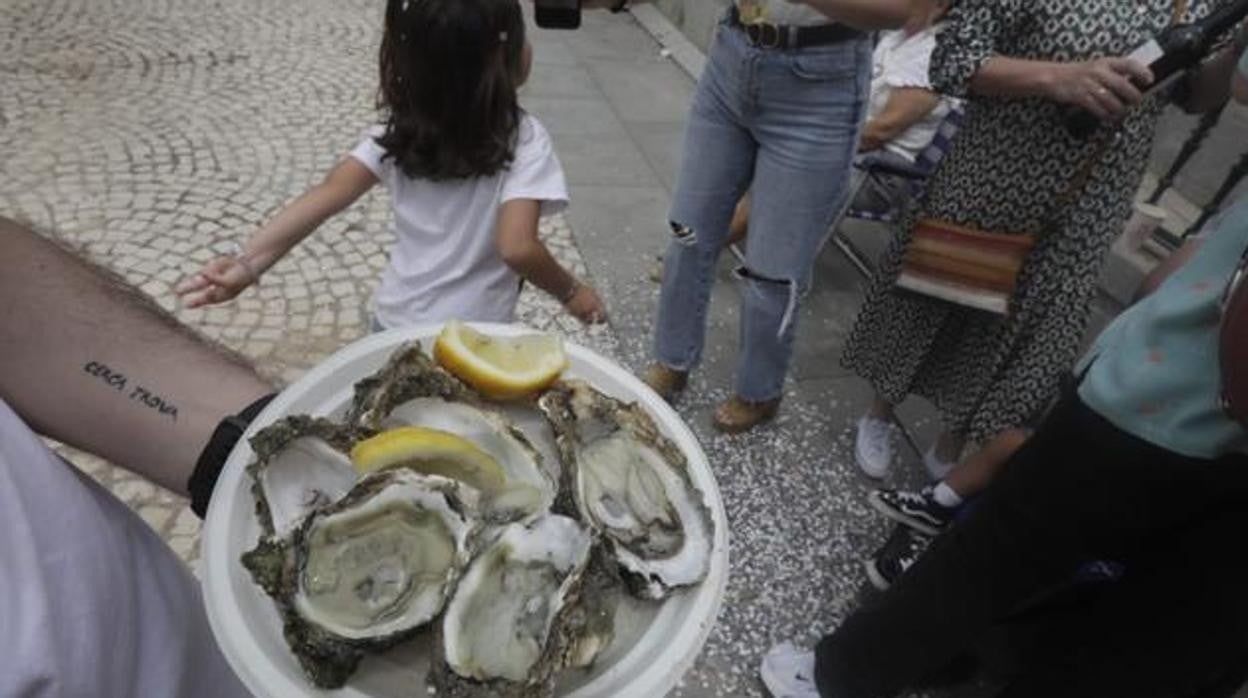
(558, 14)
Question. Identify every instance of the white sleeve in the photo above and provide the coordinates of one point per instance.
(536, 173)
(371, 155)
(910, 64)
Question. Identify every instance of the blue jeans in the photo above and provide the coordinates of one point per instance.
(784, 124)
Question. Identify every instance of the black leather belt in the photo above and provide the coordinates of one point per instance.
(781, 36)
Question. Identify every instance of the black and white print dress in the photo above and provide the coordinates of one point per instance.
(1011, 161)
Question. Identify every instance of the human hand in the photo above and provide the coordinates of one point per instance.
(870, 140)
(1106, 87)
(586, 306)
(220, 280)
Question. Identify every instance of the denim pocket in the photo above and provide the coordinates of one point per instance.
(837, 62)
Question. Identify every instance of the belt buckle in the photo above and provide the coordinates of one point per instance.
(757, 34)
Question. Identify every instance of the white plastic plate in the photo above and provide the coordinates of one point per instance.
(655, 643)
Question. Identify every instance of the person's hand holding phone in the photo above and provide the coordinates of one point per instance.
(566, 14)
(558, 14)
(1106, 87)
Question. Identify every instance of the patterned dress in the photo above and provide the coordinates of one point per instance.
(1010, 163)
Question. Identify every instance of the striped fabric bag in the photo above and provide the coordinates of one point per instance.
(977, 268)
(964, 266)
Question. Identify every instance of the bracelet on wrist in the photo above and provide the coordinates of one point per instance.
(240, 257)
(246, 265)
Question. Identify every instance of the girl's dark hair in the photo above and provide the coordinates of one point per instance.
(449, 74)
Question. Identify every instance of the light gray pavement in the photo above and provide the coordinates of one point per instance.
(153, 134)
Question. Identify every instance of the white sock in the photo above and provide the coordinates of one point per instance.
(946, 497)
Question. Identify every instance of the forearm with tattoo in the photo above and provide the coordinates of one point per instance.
(90, 361)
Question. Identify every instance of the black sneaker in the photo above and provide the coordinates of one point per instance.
(899, 554)
(918, 510)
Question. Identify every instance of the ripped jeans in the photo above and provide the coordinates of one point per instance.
(784, 124)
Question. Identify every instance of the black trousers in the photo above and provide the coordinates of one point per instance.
(1175, 626)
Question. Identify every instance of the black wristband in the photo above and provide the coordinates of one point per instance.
(212, 458)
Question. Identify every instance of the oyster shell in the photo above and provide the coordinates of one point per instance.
(591, 622)
(512, 624)
(530, 487)
(368, 571)
(631, 485)
(301, 464)
(411, 390)
(408, 374)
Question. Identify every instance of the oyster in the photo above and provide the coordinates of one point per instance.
(368, 571)
(512, 623)
(412, 391)
(408, 374)
(631, 485)
(301, 464)
(591, 623)
(529, 488)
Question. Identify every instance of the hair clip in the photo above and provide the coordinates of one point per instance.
(502, 37)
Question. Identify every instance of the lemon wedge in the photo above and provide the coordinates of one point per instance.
(504, 368)
(431, 452)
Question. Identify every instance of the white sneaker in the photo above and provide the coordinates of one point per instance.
(789, 672)
(937, 469)
(873, 445)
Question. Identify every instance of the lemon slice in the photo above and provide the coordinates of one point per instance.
(500, 367)
(431, 452)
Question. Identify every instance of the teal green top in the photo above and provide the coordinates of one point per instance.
(1154, 372)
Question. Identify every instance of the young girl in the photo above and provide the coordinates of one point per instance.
(469, 174)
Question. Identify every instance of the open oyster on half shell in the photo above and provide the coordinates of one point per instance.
(631, 485)
(301, 464)
(409, 373)
(412, 391)
(515, 620)
(367, 571)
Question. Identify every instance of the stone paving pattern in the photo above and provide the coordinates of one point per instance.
(155, 134)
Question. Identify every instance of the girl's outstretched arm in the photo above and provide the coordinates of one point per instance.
(225, 277)
(524, 252)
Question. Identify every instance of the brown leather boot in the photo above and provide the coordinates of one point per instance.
(735, 415)
(667, 382)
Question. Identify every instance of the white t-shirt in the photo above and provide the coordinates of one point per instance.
(445, 263)
(902, 61)
(92, 602)
(781, 12)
